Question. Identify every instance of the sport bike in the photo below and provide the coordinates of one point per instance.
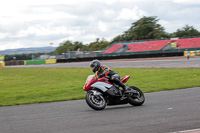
(102, 92)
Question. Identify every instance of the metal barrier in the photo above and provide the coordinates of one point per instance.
(192, 53)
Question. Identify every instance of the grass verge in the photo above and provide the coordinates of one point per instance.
(36, 85)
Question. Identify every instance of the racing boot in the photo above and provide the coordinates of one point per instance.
(123, 87)
(118, 82)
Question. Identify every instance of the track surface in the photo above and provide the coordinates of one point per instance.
(163, 112)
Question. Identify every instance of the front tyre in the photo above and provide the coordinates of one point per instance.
(95, 100)
(138, 98)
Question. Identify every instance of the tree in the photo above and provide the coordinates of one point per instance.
(145, 28)
(98, 45)
(73, 46)
(186, 31)
(68, 46)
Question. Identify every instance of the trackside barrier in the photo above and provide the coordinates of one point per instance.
(34, 62)
(192, 53)
(198, 53)
(50, 61)
(38, 62)
(30, 62)
(2, 63)
(11, 63)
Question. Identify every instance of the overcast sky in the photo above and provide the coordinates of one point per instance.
(37, 23)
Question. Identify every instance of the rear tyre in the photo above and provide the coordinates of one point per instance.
(95, 101)
(136, 99)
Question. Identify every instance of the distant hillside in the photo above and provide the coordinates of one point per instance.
(28, 50)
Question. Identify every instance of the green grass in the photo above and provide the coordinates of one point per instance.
(36, 85)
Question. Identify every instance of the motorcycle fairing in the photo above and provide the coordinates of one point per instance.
(112, 91)
(125, 79)
(102, 86)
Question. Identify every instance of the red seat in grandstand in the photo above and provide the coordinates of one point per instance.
(188, 43)
(147, 46)
(135, 47)
(156, 45)
(196, 42)
(113, 48)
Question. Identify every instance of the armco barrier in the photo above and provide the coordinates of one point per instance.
(10, 63)
(38, 62)
(192, 53)
(50, 61)
(2, 64)
(198, 53)
(28, 62)
(34, 62)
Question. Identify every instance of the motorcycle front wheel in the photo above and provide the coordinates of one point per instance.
(136, 99)
(95, 101)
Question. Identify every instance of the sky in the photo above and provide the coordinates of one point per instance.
(39, 23)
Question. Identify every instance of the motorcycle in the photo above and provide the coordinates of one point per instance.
(102, 92)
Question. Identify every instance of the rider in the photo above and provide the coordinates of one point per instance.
(103, 70)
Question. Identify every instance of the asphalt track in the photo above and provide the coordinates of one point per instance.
(162, 112)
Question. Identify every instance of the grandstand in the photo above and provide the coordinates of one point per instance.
(170, 44)
(135, 47)
(156, 45)
(188, 43)
(113, 48)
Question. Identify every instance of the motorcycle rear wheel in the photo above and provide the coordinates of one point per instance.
(138, 99)
(96, 102)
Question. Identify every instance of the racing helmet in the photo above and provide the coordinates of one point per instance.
(95, 64)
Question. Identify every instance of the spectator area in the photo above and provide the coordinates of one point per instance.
(147, 46)
(188, 43)
(113, 48)
(157, 45)
(134, 47)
